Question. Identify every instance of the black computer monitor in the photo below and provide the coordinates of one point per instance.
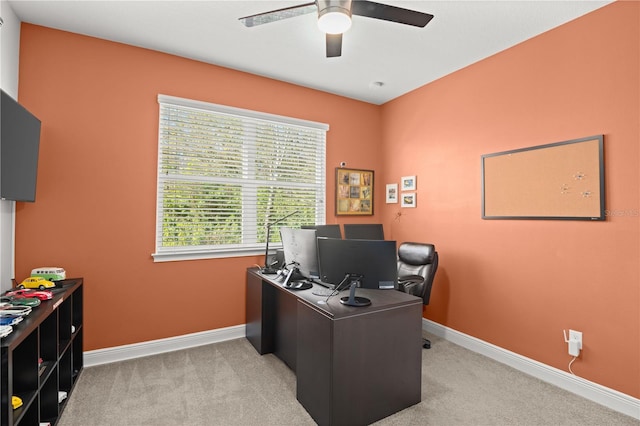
(363, 231)
(329, 231)
(374, 260)
(299, 246)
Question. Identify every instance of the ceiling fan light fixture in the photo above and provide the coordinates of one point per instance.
(334, 20)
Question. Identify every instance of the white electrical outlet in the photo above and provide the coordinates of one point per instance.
(576, 336)
(575, 342)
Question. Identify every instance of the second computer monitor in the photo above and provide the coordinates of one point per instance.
(329, 231)
(299, 246)
(363, 231)
(374, 260)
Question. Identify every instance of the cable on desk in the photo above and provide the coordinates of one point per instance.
(336, 290)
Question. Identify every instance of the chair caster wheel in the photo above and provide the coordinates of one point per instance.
(427, 345)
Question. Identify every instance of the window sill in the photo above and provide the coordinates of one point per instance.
(180, 255)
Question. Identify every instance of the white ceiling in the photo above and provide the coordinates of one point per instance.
(402, 57)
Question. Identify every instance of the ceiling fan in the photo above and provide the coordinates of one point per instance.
(334, 17)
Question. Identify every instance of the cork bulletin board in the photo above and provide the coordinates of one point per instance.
(354, 192)
(563, 180)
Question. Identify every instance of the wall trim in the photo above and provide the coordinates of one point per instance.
(602, 395)
(154, 347)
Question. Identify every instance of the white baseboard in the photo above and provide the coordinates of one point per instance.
(154, 347)
(602, 395)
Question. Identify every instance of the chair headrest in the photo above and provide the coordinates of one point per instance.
(416, 253)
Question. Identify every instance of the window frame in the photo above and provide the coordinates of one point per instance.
(164, 254)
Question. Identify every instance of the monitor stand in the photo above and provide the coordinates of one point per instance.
(352, 299)
(293, 282)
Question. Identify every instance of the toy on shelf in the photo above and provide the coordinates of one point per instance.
(10, 320)
(5, 330)
(20, 301)
(16, 402)
(36, 282)
(17, 311)
(24, 293)
(51, 273)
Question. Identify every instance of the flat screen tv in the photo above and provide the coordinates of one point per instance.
(19, 147)
(374, 261)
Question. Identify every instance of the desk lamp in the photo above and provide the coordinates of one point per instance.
(267, 269)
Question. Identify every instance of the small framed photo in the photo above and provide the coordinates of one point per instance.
(408, 200)
(408, 183)
(392, 193)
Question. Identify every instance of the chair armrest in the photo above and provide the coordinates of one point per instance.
(411, 284)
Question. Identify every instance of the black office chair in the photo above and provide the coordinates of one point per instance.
(417, 266)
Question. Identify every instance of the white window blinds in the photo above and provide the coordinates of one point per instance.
(225, 173)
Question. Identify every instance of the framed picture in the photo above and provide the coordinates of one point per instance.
(392, 193)
(354, 192)
(408, 200)
(408, 183)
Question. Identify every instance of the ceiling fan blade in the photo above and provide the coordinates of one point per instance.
(279, 14)
(390, 13)
(334, 45)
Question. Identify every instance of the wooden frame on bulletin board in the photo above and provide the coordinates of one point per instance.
(563, 180)
(354, 192)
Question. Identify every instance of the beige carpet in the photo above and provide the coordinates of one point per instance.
(230, 384)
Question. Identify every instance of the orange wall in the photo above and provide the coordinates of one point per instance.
(516, 284)
(95, 208)
(519, 283)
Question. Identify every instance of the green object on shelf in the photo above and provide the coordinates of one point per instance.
(24, 301)
(51, 273)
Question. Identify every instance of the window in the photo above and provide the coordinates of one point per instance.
(225, 173)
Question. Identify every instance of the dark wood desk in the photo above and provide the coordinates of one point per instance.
(353, 365)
